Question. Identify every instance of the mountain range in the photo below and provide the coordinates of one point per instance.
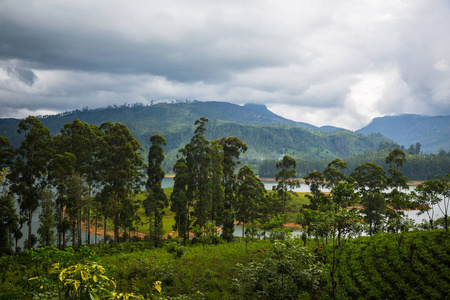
(266, 134)
(432, 132)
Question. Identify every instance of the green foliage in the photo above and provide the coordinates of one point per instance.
(285, 178)
(198, 158)
(120, 163)
(251, 194)
(371, 181)
(207, 235)
(434, 193)
(77, 152)
(232, 148)
(413, 265)
(267, 168)
(6, 152)
(276, 229)
(333, 173)
(29, 168)
(86, 280)
(156, 200)
(288, 271)
(418, 167)
(47, 219)
(9, 220)
(179, 199)
(390, 266)
(315, 181)
(175, 248)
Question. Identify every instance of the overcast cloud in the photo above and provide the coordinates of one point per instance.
(328, 62)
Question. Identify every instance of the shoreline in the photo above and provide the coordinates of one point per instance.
(141, 235)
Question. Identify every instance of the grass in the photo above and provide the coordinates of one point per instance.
(411, 265)
(293, 206)
(205, 269)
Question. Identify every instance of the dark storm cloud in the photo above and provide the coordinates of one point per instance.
(94, 47)
(27, 76)
(324, 62)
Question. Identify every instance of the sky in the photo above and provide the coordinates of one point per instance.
(324, 62)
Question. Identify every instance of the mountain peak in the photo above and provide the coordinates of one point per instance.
(257, 107)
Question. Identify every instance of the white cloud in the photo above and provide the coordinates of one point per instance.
(442, 65)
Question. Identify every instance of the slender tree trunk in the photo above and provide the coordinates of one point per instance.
(30, 218)
(96, 223)
(155, 229)
(150, 231)
(116, 228)
(213, 210)
(74, 233)
(89, 216)
(339, 238)
(446, 222)
(129, 234)
(60, 216)
(17, 240)
(80, 236)
(187, 225)
(104, 231)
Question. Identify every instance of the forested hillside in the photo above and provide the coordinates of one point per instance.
(266, 134)
(432, 132)
(417, 166)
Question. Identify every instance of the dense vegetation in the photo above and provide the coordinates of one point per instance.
(418, 167)
(96, 175)
(411, 265)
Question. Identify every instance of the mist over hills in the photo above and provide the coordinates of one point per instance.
(266, 134)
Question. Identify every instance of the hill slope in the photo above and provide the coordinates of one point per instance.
(411, 265)
(266, 134)
(431, 132)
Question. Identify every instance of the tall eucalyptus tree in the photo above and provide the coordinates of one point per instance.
(197, 155)
(286, 179)
(29, 168)
(371, 181)
(217, 190)
(251, 193)
(232, 147)
(397, 199)
(80, 139)
(61, 167)
(120, 169)
(156, 200)
(180, 203)
(6, 152)
(9, 220)
(333, 173)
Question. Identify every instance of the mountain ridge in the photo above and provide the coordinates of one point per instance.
(432, 132)
(267, 135)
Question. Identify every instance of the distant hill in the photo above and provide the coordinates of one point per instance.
(266, 134)
(432, 132)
